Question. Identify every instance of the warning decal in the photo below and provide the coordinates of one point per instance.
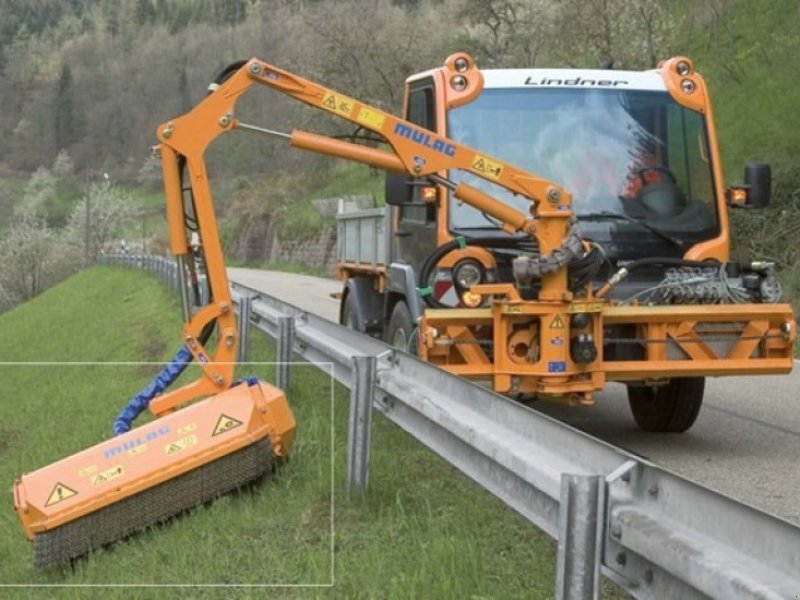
(187, 428)
(557, 322)
(180, 445)
(579, 307)
(60, 493)
(335, 103)
(484, 166)
(370, 118)
(107, 475)
(225, 423)
(138, 449)
(86, 471)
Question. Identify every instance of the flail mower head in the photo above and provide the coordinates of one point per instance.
(153, 472)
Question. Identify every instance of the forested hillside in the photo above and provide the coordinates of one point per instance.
(92, 79)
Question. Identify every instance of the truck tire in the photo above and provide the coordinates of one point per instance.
(670, 408)
(348, 313)
(401, 331)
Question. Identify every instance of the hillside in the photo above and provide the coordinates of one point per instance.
(422, 531)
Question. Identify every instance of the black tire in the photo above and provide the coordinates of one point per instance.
(348, 314)
(669, 408)
(401, 332)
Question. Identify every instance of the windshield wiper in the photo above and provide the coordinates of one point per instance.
(609, 216)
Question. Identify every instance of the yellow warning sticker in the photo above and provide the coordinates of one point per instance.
(137, 449)
(484, 166)
(86, 471)
(60, 493)
(107, 475)
(338, 104)
(370, 118)
(180, 445)
(580, 307)
(225, 423)
(187, 428)
(557, 322)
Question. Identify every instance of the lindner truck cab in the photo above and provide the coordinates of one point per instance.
(638, 152)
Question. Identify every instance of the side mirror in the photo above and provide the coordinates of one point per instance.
(397, 190)
(758, 179)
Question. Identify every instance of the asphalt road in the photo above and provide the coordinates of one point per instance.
(745, 443)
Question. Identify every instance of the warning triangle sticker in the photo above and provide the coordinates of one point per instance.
(557, 323)
(60, 493)
(225, 423)
(330, 102)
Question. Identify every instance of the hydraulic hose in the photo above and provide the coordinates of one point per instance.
(139, 403)
(171, 371)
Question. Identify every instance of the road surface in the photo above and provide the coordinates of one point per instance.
(745, 443)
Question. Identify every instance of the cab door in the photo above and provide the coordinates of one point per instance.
(415, 230)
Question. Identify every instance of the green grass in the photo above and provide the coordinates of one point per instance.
(352, 180)
(302, 219)
(422, 531)
(753, 77)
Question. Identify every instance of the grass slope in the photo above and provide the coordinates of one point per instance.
(423, 531)
(751, 61)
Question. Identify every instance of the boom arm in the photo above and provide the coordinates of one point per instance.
(416, 151)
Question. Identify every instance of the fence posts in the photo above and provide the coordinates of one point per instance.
(283, 376)
(360, 424)
(579, 537)
(245, 310)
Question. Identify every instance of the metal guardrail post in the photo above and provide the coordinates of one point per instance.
(360, 424)
(245, 308)
(283, 375)
(579, 537)
(202, 284)
(173, 276)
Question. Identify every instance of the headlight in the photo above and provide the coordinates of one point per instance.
(459, 83)
(467, 273)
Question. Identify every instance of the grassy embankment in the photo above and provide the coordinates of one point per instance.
(423, 531)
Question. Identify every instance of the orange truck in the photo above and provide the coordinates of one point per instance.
(631, 281)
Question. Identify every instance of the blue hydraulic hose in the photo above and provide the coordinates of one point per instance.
(160, 382)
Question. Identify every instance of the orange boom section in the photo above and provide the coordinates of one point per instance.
(131, 465)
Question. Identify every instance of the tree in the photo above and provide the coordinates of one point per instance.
(67, 125)
(634, 33)
(26, 253)
(63, 168)
(149, 175)
(39, 193)
(506, 33)
(100, 216)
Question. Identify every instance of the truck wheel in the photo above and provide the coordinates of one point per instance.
(401, 331)
(673, 407)
(348, 314)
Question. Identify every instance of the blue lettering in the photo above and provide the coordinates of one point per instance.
(424, 139)
(138, 441)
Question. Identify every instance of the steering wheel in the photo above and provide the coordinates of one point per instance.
(657, 168)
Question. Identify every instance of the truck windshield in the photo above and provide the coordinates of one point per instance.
(605, 147)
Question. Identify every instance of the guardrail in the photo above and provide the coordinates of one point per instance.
(654, 533)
